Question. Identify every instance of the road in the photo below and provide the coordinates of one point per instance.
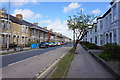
(8, 59)
(28, 64)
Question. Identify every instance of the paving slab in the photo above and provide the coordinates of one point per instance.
(85, 66)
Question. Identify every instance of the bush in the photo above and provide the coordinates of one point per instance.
(113, 49)
(12, 45)
(29, 44)
(89, 45)
(105, 56)
(92, 46)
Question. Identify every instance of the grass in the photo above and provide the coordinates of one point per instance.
(62, 67)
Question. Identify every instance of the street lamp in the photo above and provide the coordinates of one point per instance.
(8, 26)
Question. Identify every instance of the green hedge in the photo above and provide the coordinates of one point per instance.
(89, 45)
(29, 44)
(105, 56)
(113, 49)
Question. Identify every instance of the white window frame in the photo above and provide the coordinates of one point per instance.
(23, 28)
(114, 12)
(22, 39)
(26, 29)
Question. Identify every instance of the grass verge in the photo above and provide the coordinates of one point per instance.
(62, 67)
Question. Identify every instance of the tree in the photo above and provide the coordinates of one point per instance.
(80, 24)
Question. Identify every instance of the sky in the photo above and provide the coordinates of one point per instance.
(53, 15)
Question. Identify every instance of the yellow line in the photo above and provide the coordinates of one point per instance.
(49, 67)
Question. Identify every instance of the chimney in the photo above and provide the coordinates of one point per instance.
(45, 27)
(35, 24)
(19, 16)
(51, 30)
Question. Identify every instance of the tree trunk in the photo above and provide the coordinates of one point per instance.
(75, 45)
(73, 37)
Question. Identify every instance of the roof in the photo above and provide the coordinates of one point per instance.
(23, 22)
(104, 14)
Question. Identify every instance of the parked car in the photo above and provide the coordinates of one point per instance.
(62, 43)
(51, 44)
(55, 43)
(58, 43)
(44, 44)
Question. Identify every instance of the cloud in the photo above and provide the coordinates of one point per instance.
(71, 6)
(27, 13)
(47, 21)
(38, 16)
(61, 27)
(19, 3)
(96, 11)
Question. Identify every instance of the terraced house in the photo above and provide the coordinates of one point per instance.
(107, 28)
(21, 31)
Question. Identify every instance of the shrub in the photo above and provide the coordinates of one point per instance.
(89, 45)
(113, 49)
(92, 46)
(105, 56)
(29, 44)
(84, 43)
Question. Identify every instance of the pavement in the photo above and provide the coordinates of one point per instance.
(33, 64)
(4, 51)
(85, 66)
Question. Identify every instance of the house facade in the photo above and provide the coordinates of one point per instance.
(21, 32)
(107, 28)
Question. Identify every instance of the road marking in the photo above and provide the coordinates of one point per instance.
(25, 59)
(44, 71)
(19, 52)
(21, 61)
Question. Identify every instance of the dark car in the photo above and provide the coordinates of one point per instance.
(44, 45)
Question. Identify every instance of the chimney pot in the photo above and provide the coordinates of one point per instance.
(35, 24)
(45, 27)
(19, 16)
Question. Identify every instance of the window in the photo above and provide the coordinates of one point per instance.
(114, 31)
(95, 28)
(8, 26)
(22, 40)
(114, 13)
(95, 39)
(101, 39)
(14, 40)
(110, 19)
(26, 29)
(23, 28)
(26, 39)
(90, 40)
(2, 24)
(101, 24)
(90, 31)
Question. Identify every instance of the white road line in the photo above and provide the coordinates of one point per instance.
(21, 52)
(21, 61)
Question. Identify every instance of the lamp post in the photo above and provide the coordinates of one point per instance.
(8, 26)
